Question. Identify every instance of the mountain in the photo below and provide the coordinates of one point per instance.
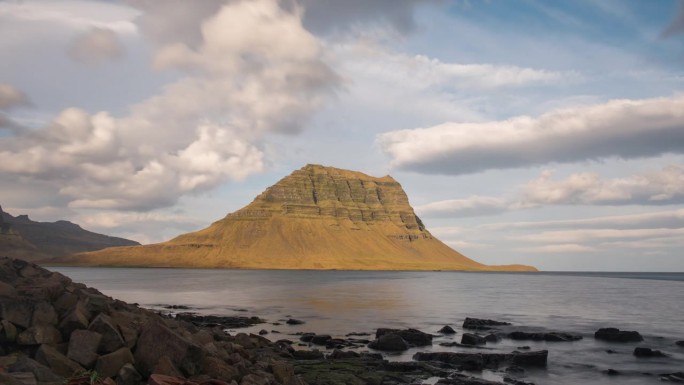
(20, 237)
(315, 218)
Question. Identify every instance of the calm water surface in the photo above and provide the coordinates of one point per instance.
(340, 302)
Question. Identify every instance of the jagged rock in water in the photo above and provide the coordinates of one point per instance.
(315, 218)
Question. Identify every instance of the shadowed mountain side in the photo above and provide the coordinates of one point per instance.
(20, 237)
(316, 218)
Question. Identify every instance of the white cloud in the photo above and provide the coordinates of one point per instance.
(256, 71)
(11, 97)
(661, 187)
(619, 128)
(584, 235)
(96, 46)
(472, 206)
(559, 249)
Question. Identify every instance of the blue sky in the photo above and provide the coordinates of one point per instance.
(540, 132)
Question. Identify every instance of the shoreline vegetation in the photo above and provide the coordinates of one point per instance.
(54, 330)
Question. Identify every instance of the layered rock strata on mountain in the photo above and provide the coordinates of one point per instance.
(316, 218)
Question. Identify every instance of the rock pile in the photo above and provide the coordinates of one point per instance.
(52, 330)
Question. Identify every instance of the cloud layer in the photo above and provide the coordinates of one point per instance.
(96, 46)
(255, 71)
(619, 128)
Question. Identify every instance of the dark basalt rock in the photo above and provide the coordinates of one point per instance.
(680, 343)
(482, 324)
(617, 335)
(472, 339)
(293, 321)
(647, 352)
(544, 336)
(389, 342)
(447, 330)
(412, 336)
(673, 377)
(219, 321)
(479, 361)
(308, 354)
(320, 339)
(611, 372)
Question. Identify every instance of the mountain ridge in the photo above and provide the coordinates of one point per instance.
(315, 218)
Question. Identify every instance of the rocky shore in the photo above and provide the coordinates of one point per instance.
(54, 331)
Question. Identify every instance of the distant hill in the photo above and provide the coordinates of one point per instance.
(316, 218)
(20, 237)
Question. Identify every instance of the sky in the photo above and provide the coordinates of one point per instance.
(539, 132)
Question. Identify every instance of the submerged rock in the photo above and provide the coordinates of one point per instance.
(479, 361)
(472, 339)
(412, 336)
(481, 324)
(447, 330)
(390, 342)
(544, 336)
(617, 335)
(647, 352)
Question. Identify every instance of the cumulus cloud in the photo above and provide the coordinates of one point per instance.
(472, 206)
(665, 186)
(11, 97)
(619, 128)
(256, 71)
(96, 46)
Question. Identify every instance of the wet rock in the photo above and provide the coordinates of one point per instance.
(293, 321)
(307, 337)
(479, 361)
(83, 347)
(343, 354)
(647, 352)
(481, 324)
(41, 334)
(110, 364)
(308, 354)
(263, 332)
(224, 322)
(41, 372)
(611, 351)
(57, 362)
(412, 336)
(611, 372)
(680, 343)
(492, 338)
(460, 379)
(544, 336)
(447, 330)
(617, 335)
(673, 377)
(157, 340)
(111, 338)
(320, 339)
(472, 339)
(127, 375)
(389, 342)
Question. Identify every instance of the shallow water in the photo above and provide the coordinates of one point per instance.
(340, 302)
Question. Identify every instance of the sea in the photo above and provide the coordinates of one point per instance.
(342, 302)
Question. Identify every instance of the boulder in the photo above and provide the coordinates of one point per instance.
(74, 320)
(109, 365)
(617, 335)
(680, 343)
(8, 332)
(7, 290)
(18, 379)
(472, 339)
(538, 358)
(38, 335)
(647, 352)
(41, 372)
(343, 354)
(389, 342)
(44, 314)
(308, 354)
(157, 340)
(412, 336)
(166, 367)
(481, 324)
(16, 311)
(111, 338)
(447, 330)
(479, 361)
(216, 368)
(293, 321)
(320, 339)
(492, 338)
(253, 379)
(57, 362)
(127, 375)
(307, 337)
(83, 347)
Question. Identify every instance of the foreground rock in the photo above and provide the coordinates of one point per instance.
(53, 329)
(544, 336)
(617, 335)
